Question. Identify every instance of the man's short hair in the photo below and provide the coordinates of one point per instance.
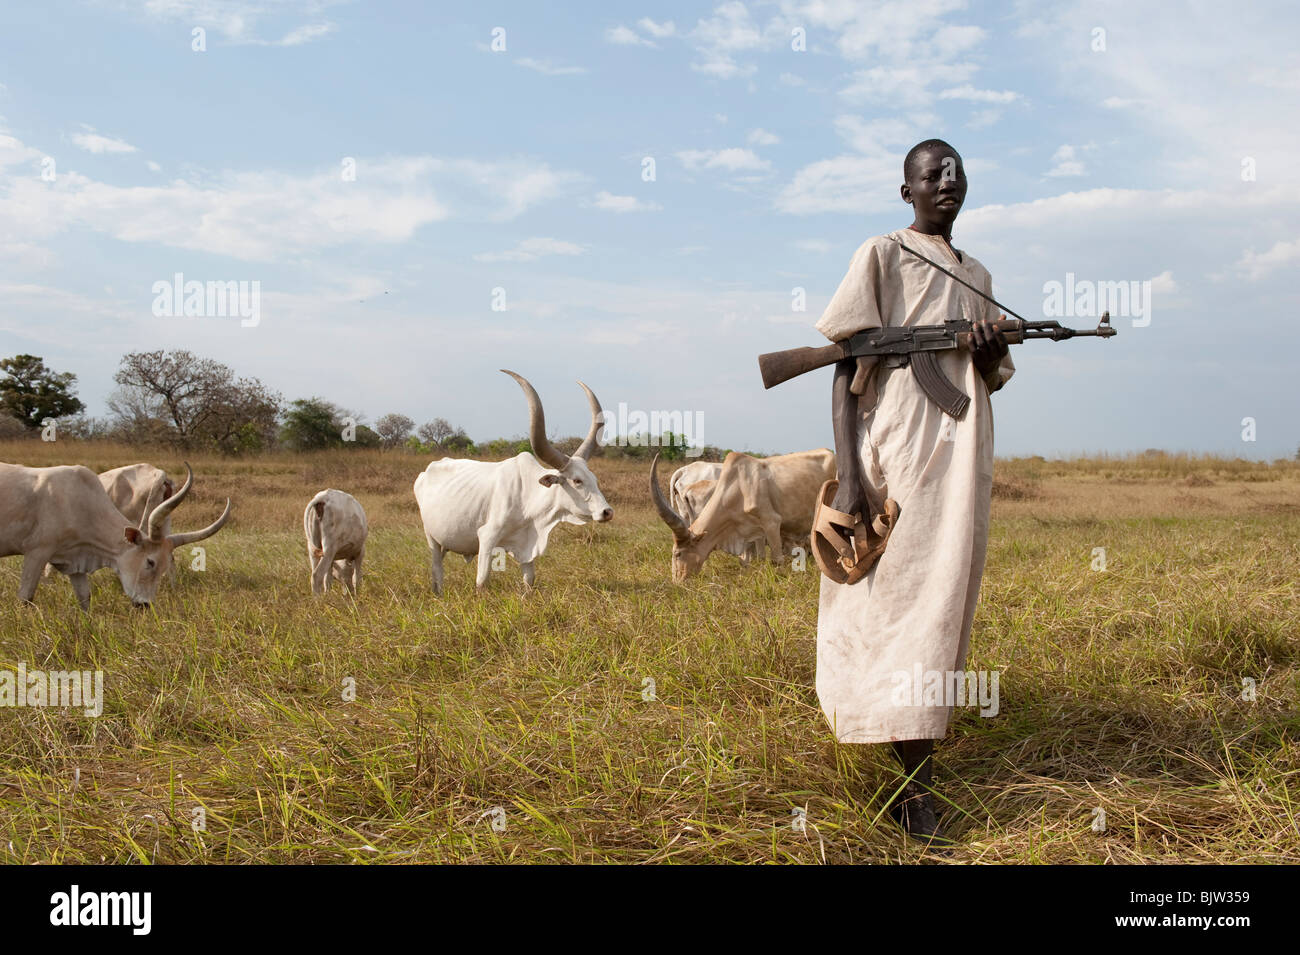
(923, 147)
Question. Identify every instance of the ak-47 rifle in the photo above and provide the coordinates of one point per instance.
(916, 345)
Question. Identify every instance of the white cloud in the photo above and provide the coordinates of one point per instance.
(530, 249)
(153, 166)
(93, 142)
(1066, 162)
(548, 68)
(851, 184)
(899, 87)
(818, 246)
(732, 160)
(1164, 283)
(275, 215)
(305, 34)
(790, 79)
(13, 152)
(625, 36)
(1255, 265)
(612, 203)
(761, 137)
(983, 118)
(968, 92)
(237, 20)
(659, 30)
(879, 135)
(719, 38)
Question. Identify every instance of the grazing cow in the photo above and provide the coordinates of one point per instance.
(63, 516)
(768, 498)
(335, 525)
(473, 507)
(689, 490)
(135, 488)
(687, 476)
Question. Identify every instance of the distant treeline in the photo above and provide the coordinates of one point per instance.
(181, 401)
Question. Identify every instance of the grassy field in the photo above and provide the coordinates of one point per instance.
(1121, 689)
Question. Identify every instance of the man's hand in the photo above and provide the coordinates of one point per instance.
(986, 345)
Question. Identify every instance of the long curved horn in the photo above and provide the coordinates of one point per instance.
(675, 522)
(542, 446)
(155, 517)
(180, 540)
(148, 507)
(597, 419)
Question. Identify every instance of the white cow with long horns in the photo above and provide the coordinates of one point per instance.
(475, 507)
(63, 516)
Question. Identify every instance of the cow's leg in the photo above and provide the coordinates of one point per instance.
(33, 565)
(530, 572)
(772, 533)
(320, 577)
(435, 567)
(356, 574)
(81, 587)
(487, 540)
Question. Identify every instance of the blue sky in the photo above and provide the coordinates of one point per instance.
(1115, 156)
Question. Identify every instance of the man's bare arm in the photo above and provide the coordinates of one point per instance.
(844, 410)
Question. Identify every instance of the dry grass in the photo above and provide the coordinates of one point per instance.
(1120, 690)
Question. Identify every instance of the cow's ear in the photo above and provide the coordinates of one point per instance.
(133, 535)
(549, 478)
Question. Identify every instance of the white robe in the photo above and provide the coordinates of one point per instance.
(917, 604)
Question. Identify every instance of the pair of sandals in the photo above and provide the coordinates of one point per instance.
(846, 558)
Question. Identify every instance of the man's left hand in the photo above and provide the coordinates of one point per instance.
(986, 345)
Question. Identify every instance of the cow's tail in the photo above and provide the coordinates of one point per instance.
(311, 522)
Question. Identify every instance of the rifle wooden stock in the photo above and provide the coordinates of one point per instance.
(779, 366)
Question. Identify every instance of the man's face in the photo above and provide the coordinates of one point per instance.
(936, 185)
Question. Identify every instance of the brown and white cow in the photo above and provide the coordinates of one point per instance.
(63, 516)
(771, 499)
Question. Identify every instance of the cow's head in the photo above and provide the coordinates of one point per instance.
(143, 563)
(690, 550)
(576, 486)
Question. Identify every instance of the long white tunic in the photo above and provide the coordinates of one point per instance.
(916, 606)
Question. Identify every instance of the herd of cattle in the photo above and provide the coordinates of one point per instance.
(70, 520)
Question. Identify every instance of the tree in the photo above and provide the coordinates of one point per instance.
(194, 402)
(312, 424)
(436, 431)
(459, 441)
(31, 392)
(393, 429)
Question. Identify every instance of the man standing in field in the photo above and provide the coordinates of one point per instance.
(915, 606)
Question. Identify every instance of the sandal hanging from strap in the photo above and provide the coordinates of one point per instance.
(846, 559)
